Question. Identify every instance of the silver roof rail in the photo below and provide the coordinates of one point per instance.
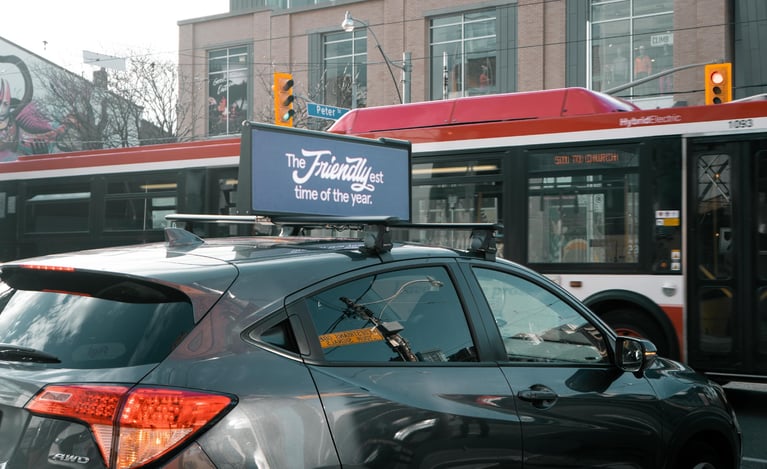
(377, 236)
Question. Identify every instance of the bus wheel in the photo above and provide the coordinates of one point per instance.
(635, 323)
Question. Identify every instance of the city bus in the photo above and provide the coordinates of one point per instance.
(98, 198)
(656, 219)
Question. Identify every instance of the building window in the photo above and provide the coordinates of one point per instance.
(227, 90)
(632, 39)
(248, 5)
(464, 54)
(344, 80)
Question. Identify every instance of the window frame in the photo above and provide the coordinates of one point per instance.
(581, 179)
(157, 196)
(298, 313)
(227, 74)
(358, 60)
(564, 298)
(65, 200)
(605, 49)
(463, 21)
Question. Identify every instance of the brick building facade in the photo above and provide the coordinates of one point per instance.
(458, 48)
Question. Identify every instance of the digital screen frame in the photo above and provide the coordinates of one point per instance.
(288, 171)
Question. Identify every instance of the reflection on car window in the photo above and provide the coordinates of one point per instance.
(84, 332)
(411, 315)
(537, 325)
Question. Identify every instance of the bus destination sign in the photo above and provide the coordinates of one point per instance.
(563, 160)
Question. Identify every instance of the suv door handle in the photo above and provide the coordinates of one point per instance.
(541, 396)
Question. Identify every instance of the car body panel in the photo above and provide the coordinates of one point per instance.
(30, 441)
(583, 416)
(278, 420)
(599, 417)
(421, 416)
(691, 403)
(291, 407)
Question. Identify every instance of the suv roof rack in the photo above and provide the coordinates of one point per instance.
(377, 236)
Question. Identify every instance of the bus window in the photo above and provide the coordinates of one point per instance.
(57, 208)
(140, 203)
(761, 207)
(714, 223)
(761, 219)
(455, 192)
(583, 206)
(713, 245)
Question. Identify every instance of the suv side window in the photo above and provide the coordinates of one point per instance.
(537, 325)
(405, 315)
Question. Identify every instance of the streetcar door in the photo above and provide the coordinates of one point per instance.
(727, 256)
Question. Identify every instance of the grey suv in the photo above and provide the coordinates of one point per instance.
(293, 352)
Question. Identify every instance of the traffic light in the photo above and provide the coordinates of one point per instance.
(718, 83)
(283, 99)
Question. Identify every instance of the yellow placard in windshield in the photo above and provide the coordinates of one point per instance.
(354, 336)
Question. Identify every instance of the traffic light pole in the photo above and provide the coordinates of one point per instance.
(283, 99)
(654, 76)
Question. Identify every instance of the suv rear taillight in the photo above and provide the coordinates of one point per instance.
(147, 422)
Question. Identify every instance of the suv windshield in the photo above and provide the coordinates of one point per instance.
(74, 330)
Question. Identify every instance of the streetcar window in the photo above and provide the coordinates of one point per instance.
(57, 209)
(56, 197)
(140, 203)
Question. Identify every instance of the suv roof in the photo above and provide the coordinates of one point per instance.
(180, 260)
(183, 251)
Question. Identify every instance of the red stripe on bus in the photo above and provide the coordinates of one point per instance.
(125, 156)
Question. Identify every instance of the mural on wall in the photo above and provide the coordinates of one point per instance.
(24, 127)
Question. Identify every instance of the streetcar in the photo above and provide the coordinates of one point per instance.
(98, 198)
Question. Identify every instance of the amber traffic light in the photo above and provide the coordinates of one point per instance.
(283, 99)
(718, 83)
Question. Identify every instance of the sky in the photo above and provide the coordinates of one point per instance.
(60, 31)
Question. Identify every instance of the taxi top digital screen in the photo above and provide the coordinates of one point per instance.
(302, 172)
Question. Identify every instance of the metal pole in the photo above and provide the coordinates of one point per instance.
(589, 76)
(348, 26)
(654, 76)
(445, 76)
(354, 75)
(406, 75)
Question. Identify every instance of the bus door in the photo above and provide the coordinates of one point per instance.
(727, 256)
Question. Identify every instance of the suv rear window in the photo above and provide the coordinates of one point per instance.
(138, 325)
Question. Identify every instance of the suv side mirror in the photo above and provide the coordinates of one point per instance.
(634, 355)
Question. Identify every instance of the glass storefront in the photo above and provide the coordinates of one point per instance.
(345, 69)
(464, 55)
(228, 72)
(631, 40)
